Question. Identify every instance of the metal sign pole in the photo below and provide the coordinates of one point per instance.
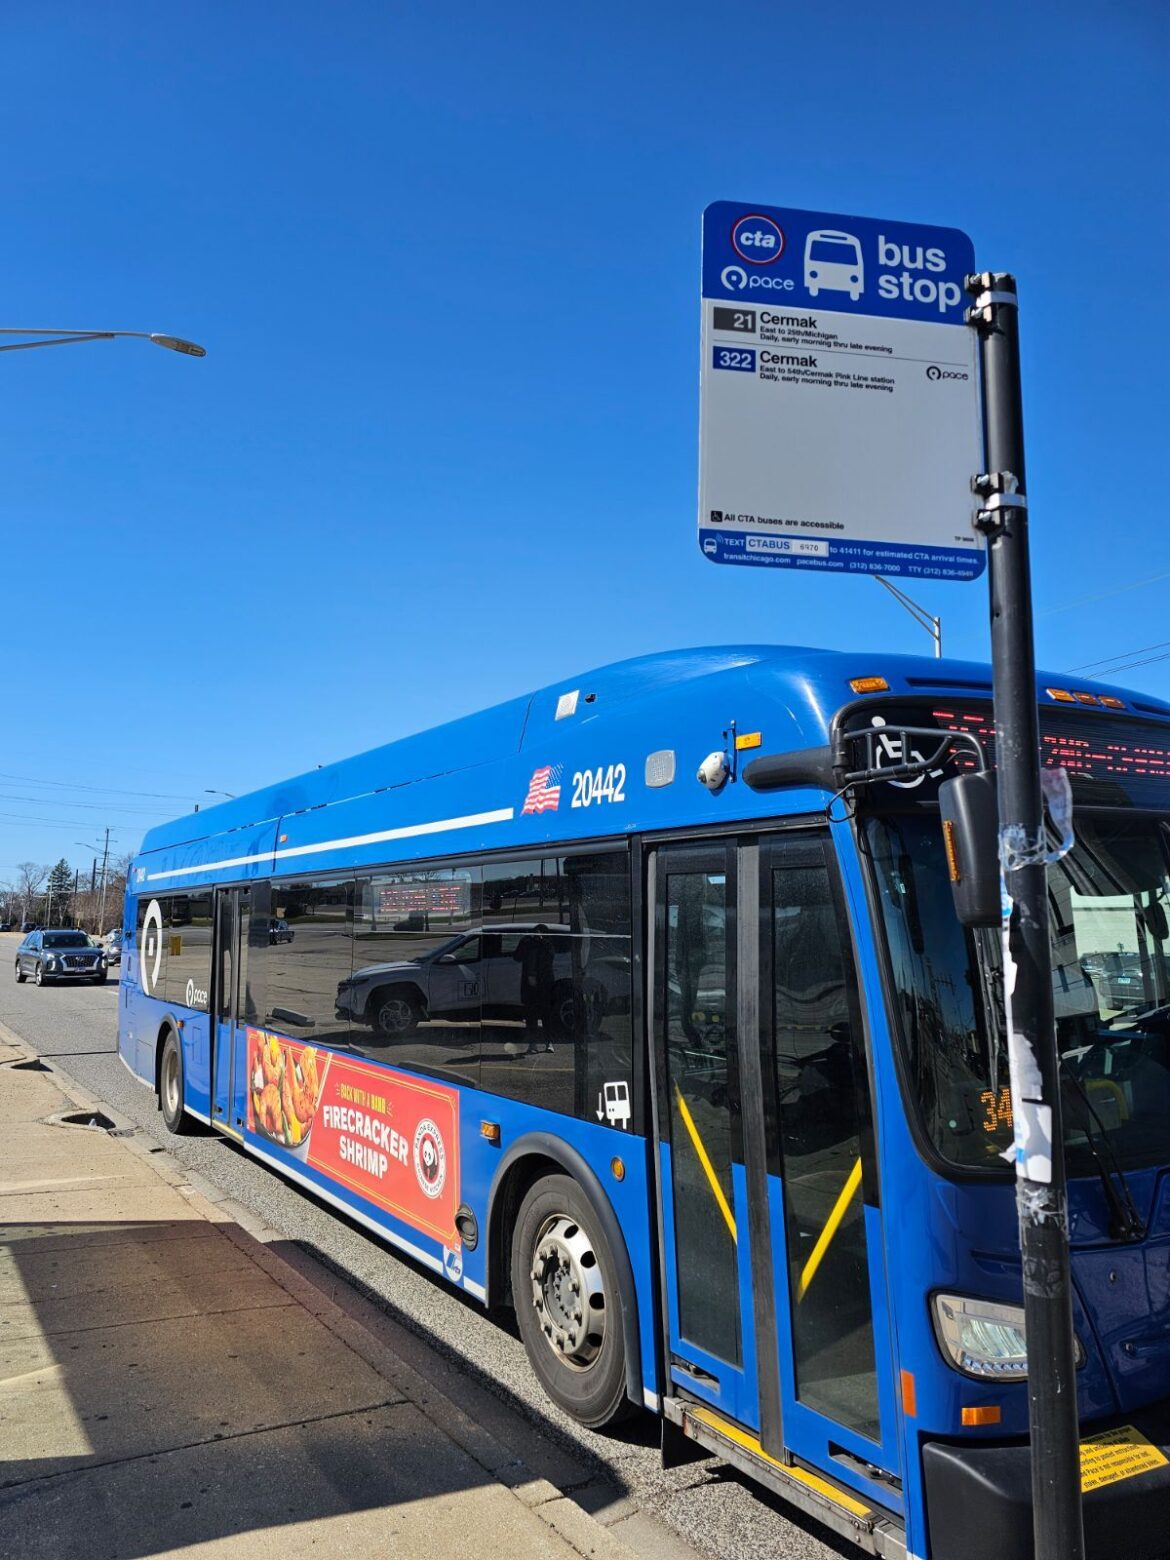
(1041, 1190)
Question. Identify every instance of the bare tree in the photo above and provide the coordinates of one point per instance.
(30, 881)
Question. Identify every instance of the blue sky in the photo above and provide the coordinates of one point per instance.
(445, 263)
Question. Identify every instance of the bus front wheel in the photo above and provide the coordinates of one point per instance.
(567, 1305)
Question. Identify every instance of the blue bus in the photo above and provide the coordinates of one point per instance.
(617, 1005)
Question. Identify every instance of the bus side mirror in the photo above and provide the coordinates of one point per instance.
(970, 824)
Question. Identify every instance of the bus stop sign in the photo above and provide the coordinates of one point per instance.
(839, 427)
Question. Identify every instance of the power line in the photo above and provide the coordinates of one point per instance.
(70, 785)
(102, 807)
(65, 823)
(1128, 666)
(1118, 590)
(1121, 655)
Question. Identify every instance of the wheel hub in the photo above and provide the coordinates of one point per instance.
(567, 1292)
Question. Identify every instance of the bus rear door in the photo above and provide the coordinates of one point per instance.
(233, 910)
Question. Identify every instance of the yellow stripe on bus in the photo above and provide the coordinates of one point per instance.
(705, 1161)
(805, 1476)
(816, 1256)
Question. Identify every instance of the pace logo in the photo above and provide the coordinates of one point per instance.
(430, 1159)
(150, 945)
(757, 240)
(733, 277)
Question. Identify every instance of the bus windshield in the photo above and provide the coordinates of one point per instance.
(1108, 907)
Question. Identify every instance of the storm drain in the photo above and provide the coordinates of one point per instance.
(36, 1065)
(91, 1118)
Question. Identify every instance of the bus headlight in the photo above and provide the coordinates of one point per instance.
(985, 1339)
(982, 1338)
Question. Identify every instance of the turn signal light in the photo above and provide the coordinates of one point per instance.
(985, 1414)
(490, 1130)
(869, 685)
(746, 740)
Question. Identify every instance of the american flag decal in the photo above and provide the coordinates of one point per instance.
(544, 790)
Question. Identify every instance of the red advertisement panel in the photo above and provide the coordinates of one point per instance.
(392, 1138)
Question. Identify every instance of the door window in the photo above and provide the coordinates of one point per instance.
(697, 1002)
(822, 1088)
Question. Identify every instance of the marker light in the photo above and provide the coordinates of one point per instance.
(747, 739)
(1111, 703)
(1086, 698)
(1061, 694)
(980, 1414)
(490, 1130)
(869, 685)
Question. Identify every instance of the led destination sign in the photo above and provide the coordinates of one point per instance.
(1111, 759)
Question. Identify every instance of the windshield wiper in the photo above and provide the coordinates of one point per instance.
(1125, 1221)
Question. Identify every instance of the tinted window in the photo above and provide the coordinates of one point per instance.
(556, 982)
(824, 1116)
(414, 996)
(300, 953)
(696, 1004)
(66, 940)
(187, 919)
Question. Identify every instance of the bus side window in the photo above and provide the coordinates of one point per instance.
(556, 988)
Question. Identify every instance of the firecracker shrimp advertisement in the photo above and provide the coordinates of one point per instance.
(389, 1137)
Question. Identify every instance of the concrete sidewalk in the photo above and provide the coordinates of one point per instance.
(168, 1383)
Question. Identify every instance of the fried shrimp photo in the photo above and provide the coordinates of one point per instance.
(284, 1088)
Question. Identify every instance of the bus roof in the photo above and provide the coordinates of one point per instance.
(449, 788)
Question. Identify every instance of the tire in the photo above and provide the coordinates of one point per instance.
(21, 977)
(172, 1091)
(394, 1012)
(39, 976)
(568, 1308)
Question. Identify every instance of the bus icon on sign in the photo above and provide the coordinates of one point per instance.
(833, 261)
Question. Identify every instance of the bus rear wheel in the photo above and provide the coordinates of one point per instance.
(567, 1305)
(172, 1090)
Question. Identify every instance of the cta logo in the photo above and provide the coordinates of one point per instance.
(935, 372)
(757, 240)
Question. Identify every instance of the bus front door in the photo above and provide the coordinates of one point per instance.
(769, 1218)
(233, 911)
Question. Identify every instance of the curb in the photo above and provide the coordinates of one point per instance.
(355, 1321)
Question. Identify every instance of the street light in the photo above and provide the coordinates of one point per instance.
(924, 619)
(63, 338)
(231, 795)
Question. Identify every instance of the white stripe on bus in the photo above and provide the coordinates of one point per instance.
(412, 830)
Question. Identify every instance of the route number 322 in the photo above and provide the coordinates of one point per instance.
(599, 785)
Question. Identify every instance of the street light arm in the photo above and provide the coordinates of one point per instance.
(52, 337)
(924, 619)
(56, 341)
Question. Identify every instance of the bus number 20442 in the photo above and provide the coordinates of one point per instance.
(599, 785)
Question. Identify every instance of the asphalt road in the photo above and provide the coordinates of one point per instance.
(704, 1508)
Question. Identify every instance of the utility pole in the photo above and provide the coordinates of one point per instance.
(1033, 1059)
(102, 905)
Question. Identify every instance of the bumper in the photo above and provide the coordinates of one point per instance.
(979, 1496)
(91, 973)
